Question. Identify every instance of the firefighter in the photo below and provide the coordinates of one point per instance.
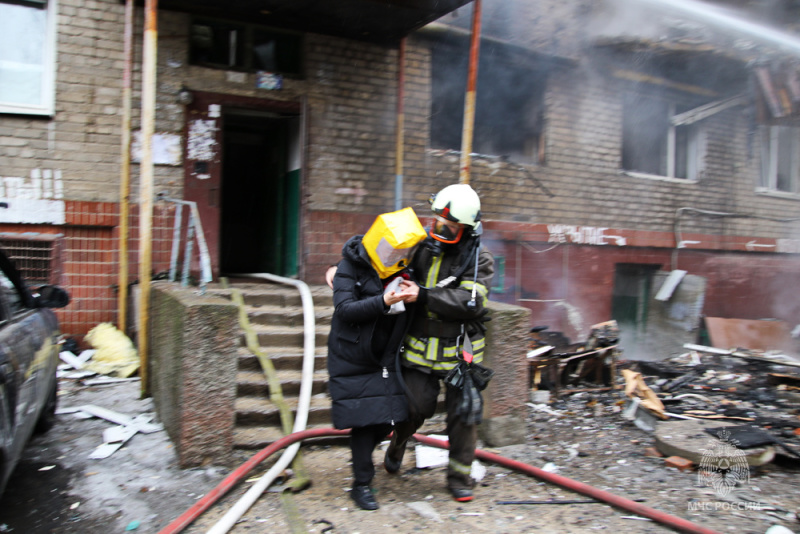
(367, 328)
(453, 271)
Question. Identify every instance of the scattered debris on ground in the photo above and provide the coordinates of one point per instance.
(710, 436)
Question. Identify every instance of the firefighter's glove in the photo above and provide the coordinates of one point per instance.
(480, 375)
(470, 406)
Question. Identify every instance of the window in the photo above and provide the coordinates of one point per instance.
(780, 159)
(508, 106)
(652, 145)
(27, 56)
(245, 47)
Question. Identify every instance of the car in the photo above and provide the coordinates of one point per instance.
(29, 337)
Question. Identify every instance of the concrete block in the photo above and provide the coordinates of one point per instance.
(193, 343)
(505, 397)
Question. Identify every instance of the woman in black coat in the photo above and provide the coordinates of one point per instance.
(367, 395)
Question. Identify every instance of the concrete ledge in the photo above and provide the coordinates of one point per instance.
(504, 412)
(192, 371)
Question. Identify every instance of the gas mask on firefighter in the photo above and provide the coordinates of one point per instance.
(391, 241)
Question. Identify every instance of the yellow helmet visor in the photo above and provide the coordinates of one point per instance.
(391, 240)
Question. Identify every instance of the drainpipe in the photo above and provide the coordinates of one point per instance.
(146, 182)
(125, 170)
(469, 100)
(398, 177)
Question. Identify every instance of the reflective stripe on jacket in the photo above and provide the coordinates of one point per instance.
(447, 308)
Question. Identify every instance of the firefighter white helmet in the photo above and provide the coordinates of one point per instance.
(455, 207)
(457, 203)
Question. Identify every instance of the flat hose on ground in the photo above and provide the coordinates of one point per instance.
(243, 504)
(231, 480)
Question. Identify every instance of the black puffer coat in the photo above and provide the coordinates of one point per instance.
(362, 345)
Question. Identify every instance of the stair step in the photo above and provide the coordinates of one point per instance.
(281, 358)
(280, 316)
(259, 437)
(281, 336)
(270, 294)
(256, 411)
(255, 383)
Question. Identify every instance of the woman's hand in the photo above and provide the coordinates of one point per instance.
(329, 274)
(392, 297)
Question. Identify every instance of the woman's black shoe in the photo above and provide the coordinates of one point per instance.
(363, 497)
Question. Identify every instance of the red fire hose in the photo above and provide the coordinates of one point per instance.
(579, 487)
(185, 519)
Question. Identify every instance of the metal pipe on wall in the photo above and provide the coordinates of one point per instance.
(398, 175)
(469, 100)
(146, 182)
(125, 169)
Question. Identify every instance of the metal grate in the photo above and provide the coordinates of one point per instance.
(33, 258)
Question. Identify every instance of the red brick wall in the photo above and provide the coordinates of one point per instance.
(541, 275)
(89, 259)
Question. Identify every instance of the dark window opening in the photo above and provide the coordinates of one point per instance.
(633, 285)
(652, 145)
(499, 278)
(508, 107)
(245, 47)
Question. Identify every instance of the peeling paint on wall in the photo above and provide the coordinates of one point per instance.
(202, 141)
(166, 148)
(37, 200)
(790, 246)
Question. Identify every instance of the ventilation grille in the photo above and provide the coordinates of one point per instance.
(35, 259)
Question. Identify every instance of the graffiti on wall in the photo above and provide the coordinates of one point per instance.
(38, 199)
(582, 235)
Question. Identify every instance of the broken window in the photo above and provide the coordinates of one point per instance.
(508, 106)
(244, 47)
(780, 159)
(27, 56)
(652, 144)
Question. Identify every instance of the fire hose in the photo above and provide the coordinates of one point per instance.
(677, 523)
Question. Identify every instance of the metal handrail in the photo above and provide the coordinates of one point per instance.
(194, 230)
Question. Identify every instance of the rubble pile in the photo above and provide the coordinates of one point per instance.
(711, 435)
(755, 395)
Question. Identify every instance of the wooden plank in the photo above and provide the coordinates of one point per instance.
(748, 334)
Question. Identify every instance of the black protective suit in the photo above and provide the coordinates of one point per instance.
(430, 348)
(366, 393)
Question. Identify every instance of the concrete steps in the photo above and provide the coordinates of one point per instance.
(275, 313)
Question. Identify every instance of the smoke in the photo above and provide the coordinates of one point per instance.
(694, 20)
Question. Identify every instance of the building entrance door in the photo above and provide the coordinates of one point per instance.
(243, 170)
